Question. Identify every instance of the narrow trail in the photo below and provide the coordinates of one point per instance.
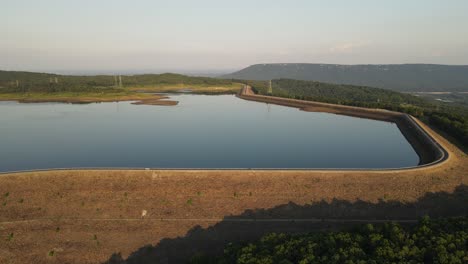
(312, 220)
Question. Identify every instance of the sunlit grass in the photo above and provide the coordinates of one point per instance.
(228, 88)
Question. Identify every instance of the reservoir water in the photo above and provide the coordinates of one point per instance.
(201, 132)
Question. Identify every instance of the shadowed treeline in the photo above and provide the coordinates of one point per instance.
(293, 218)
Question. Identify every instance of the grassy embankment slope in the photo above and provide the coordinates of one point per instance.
(43, 87)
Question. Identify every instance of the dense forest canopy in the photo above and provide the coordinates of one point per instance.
(11, 81)
(397, 77)
(449, 118)
(430, 241)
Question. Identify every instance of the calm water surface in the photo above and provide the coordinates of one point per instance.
(201, 132)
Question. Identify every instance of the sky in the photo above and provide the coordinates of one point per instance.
(118, 36)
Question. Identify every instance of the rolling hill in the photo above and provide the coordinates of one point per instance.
(397, 77)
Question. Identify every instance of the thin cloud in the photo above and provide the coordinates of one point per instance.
(348, 47)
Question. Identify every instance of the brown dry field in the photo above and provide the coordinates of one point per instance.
(85, 216)
(211, 89)
(156, 101)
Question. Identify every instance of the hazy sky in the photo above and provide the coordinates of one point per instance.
(218, 35)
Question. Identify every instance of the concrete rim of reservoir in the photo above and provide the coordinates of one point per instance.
(428, 149)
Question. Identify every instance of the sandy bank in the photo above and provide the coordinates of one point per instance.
(156, 101)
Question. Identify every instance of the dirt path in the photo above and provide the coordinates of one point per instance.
(216, 220)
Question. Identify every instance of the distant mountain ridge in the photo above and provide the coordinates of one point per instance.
(397, 77)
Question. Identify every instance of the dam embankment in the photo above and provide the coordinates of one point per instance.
(430, 152)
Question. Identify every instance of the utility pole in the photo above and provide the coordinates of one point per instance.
(120, 81)
(270, 90)
(17, 84)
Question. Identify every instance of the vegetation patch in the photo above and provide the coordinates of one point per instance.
(430, 241)
(14, 82)
(10, 237)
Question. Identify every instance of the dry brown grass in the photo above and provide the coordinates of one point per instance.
(212, 89)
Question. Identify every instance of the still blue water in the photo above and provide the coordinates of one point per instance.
(201, 132)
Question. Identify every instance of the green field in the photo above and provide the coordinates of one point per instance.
(230, 88)
(31, 87)
(430, 241)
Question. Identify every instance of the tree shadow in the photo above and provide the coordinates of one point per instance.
(293, 218)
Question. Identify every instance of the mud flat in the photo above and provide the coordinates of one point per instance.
(165, 216)
(156, 101)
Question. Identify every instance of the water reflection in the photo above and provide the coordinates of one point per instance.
(201, 132)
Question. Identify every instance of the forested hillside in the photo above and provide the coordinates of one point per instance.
(398, 77)
(453, 120)
(430, 241)
(11, 81)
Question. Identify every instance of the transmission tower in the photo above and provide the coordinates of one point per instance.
(120, 81)
(270, 90)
